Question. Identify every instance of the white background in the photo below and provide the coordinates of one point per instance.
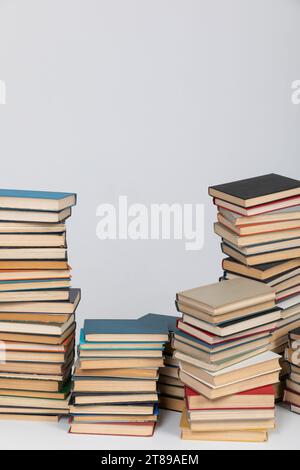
(155, 100)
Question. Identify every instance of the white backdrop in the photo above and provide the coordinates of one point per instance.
(155, 100)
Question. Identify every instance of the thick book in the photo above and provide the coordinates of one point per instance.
(36, 200)
(226, 297)
(258, 190)
(125, 330)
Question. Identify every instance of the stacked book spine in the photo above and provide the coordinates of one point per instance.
(292, 355)
(115, 381)
(222, 344)
(259, 224)
(37, 306)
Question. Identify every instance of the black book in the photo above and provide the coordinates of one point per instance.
(255, 191)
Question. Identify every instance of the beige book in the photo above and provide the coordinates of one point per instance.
(225, 297)
(32, 240)
(223, 355)
(115, 398)
(238, 268)
(269, 320)
(215, 319)
(23, 402)
(212, 367)
(255, 260)
(136, 373)
(243, 230)
(261, 364)
(114, 386)
(36, 328)
(33, 253)
(242, 386)
(110, 363)
(248, 240)
(34, 296)
(29, 417)
(292, 213)
(114, 419)
(231, 415)
(114, 429)
(122, 353)
(30, 227)
(112, 409)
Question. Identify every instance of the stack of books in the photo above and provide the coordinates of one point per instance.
(222, 344)
(170, 388)
(292, 355)
(259, 224)
(115, 380)
(37, 306)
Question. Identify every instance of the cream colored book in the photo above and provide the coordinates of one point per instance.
(261, 364)
(224, 297)
(248, 240)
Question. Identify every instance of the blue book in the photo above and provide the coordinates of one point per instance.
(125, 330)
(36, 200)
(170, 320)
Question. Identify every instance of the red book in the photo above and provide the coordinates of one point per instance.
(259, 398)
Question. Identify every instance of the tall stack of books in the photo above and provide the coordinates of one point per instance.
(37, 306)
(259, 224)
(222, 344)
(170, 388)
(115, 380)
(292, 355)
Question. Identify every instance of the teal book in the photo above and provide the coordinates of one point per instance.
(125, 330)
(36, 200)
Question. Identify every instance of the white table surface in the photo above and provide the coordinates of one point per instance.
(41, 435)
